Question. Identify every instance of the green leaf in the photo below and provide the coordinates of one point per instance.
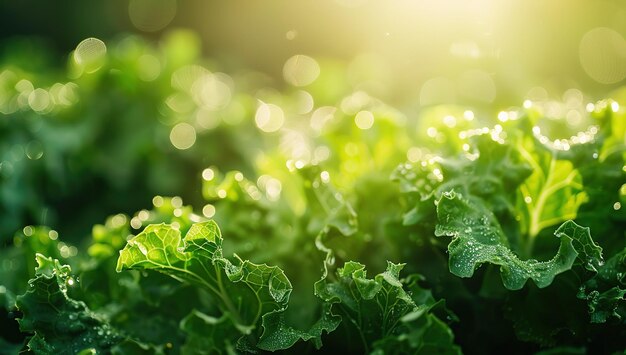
(418, 184)
(233, 185)
(554, 191)
(601, 164)
(378, 308)
(60, 324)
(243, 291)
(423, 334)
(606, 305)
(421, 331)
(589, 253)
(208, 335)
(613, 129)
(19, 261)
(489, 170)
(492, 172)
(278, 335)
(244, 213)
(418, 179)
(109, 238)
(329, 207)
(606, 291)
(478, 238)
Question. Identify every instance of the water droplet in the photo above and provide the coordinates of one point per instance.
(34, 150)
(142, 248)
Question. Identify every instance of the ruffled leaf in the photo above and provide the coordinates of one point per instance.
(381, 312)
(60, 324)
(478, 238)
(244, 290)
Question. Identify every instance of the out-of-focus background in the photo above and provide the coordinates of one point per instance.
(480, 52)
(105, 104)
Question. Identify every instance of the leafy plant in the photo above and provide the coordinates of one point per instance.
(478, 234)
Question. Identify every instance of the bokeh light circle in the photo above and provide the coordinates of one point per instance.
(183, 136)
(364, 120)
(301, 70)
(90, 54)
(151, 15)
(269, 117)
(603, 55)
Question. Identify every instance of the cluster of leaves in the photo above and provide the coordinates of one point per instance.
(203, 302)
(490, 236)
(503, 198)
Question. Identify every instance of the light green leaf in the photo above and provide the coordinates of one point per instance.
(252, 297)
(589, 253)
(552, 194)
(613, 129)
(243, 290)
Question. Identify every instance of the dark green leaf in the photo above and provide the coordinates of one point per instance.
(478, 238)
(380, 312)
(606, 291)
(208, 335)
(60, 324)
